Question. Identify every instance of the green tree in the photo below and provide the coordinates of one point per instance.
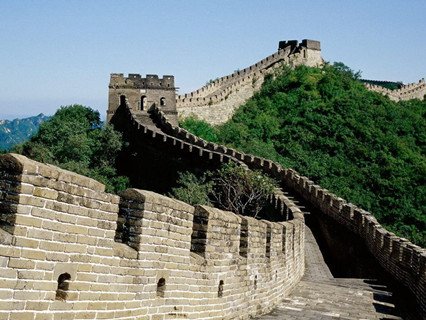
(359, 144)
(75, 139)
(192, 189)
(240, 190)
(232, 187)
(200, 128)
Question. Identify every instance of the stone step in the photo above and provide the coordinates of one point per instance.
(321, 296)
(331, 300)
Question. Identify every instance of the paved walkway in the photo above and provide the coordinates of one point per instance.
(320, 296)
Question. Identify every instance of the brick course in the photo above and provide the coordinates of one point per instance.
(64, 223)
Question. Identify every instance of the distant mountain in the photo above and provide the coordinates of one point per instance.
(13, 132)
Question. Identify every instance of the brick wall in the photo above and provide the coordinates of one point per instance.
(405, 261)
(416, 90)
(129, 256)
(216, 101)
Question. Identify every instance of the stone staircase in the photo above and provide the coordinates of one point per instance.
(354, 299)
(321, 296)
(318, 295)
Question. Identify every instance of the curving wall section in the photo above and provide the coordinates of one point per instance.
(405, 261)
(216, 101)
(415, 90)
(70, 250)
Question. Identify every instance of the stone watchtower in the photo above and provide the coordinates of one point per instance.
(141, 94)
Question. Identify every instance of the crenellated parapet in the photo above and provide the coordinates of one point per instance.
(415, 90)
(403, 260)
(216, 101)
(70, 250)
(141, 93)
(136, 81)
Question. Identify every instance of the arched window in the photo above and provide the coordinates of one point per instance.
(162, 101)
(143, 102)
(220, 289)
(63, 286)
(161, 287)
(122, 100)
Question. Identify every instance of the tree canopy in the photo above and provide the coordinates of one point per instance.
(75, 139)
(358, 144)
(232, 188)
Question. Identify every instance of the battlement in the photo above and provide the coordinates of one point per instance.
(135, 80)
(70, 250)
(415, 90)
(404, 261)
(309, 44)
(217, 100)
(141, 93)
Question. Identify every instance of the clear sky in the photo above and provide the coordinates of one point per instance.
(56, 52)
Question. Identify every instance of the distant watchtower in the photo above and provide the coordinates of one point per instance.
(141, 94)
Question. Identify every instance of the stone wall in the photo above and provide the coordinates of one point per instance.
(68, 250)
(405, 261)
(216, 101)
(141, 93)
(416, 90)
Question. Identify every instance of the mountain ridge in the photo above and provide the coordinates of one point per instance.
(16, 131)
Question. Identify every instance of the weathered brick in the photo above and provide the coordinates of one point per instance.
(26, 243)
(45, 193)
(21, 316)
(21, 263)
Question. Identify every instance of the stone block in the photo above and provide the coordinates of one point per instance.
(45, 193)
(20, 263)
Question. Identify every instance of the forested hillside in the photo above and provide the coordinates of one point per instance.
(74, 138)
(356, 143)
(13, 132)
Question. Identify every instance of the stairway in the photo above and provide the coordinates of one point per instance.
(321, 296)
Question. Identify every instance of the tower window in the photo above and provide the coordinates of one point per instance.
(220, 289)
(63, 286)
(162, 101)
(143, 103)
(161, 287)
(122, 100)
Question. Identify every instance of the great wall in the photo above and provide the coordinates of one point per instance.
(406, 92)
(68, 250)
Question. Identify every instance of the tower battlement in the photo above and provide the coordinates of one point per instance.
(306, 43)
(140, 93)
(135, 80)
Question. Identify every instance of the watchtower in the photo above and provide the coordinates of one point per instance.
(140, 94)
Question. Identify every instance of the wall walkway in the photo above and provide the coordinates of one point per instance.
(406, 92)
(321, 296)
(216, 101)
(68, 250)
(403, 260)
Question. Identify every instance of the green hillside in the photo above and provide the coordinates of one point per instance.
(391, 85)
(356, 143)
(19, 130)
(74, 138)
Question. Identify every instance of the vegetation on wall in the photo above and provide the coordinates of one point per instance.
(75, 139)
(385, 84)
(232, 188)
(358, 144)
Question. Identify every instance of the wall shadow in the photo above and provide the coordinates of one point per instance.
(348, 257)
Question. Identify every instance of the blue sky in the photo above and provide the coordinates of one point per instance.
(57, 52)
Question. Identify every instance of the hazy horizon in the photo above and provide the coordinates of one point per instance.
(62, 52)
